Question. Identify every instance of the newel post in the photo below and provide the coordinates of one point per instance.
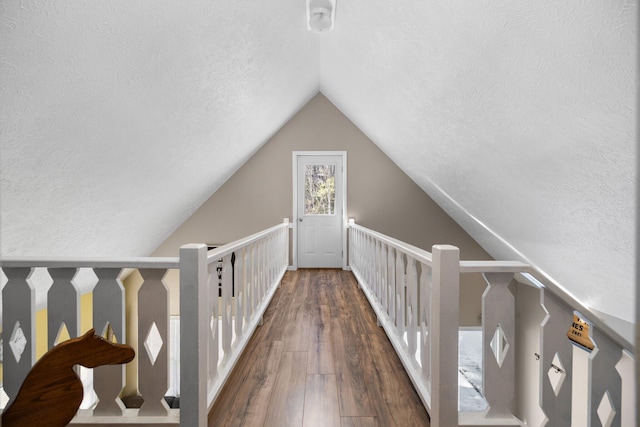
(445, 296)
(193, 335)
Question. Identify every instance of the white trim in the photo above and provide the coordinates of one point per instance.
(294, 168)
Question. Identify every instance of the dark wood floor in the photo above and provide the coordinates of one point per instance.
(319, 359)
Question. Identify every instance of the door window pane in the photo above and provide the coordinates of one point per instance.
(320, 190)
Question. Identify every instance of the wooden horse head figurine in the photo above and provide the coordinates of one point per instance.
(52, 392)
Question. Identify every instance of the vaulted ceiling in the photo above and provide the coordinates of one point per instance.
(119, 118)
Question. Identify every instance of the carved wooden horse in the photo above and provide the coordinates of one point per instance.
(52, 392)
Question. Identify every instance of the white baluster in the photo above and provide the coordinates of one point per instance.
(153, 342)
(354, 256)
(350, 251)
(581, 387)
(109, 318)
(227, 307)
(530, 324)
(267, 262)
(255, 295)
(606, 392)
(425, 313)
(372, 263)
(363, 260)
(259, 269)
(285, 245)
(63, 305)
(354, 259)
(389, 293)
(556, 349)
(238, 271)
(250, 279)
(364, 267)
(361, 253)
(399, 289)
(412, 307)
(18, 314)
(626, 369)
(384, 272)
(213, 301)
(377, 269)
(264, 257)
(498, 344)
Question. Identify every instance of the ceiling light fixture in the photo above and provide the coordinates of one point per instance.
(320, 14)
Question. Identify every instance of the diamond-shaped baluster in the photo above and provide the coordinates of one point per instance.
(606, 411)
(498, 363)
(108, 319)
(605, 380)
(555, 402)
(63, 305)
(556, 374)
(18, 312)
(499, 345)
(153, 343)
(153, 316)
(17, 342)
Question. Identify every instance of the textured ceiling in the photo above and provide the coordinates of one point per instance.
(148, 106)
(517, 117)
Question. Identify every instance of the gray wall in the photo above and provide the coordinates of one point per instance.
(380, 195)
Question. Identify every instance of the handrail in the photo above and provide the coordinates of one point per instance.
(416, 252)
(221, 251)
(70, 262)
(492, 267)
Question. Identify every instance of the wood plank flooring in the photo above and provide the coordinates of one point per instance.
(320, 360)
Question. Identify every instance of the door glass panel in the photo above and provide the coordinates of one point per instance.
(320, 190)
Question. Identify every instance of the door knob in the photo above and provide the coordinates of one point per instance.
(299, 219)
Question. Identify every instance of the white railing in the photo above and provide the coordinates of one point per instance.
(210, 347)
(214, 329)
(108, 318)
(416, 294)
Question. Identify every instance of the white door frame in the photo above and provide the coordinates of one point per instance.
(294, 221)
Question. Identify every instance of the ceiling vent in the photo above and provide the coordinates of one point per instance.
(321, 15)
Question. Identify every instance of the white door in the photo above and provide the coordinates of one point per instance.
(319, 210)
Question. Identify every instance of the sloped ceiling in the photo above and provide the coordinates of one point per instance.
(120, 118)
(517, 117)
